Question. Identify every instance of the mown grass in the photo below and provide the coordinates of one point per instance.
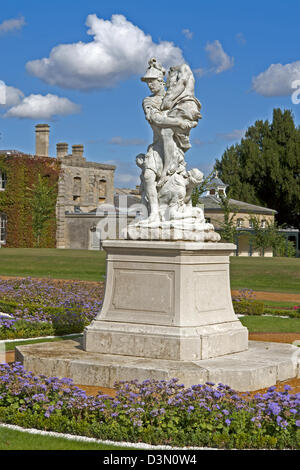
(85, 265)
(280, 304)
(11, 346)
(256, 324)
(265, 274)
(19, 440)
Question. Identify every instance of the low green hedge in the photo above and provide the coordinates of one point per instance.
(25, 329)
(246, 307)
(285, 313)
(254, 307)
(59, 320)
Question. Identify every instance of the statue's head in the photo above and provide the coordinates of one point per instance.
(154, 76)
(140, 159)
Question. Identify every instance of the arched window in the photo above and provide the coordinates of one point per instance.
(239, 223)
(3, 180)
(3, 224)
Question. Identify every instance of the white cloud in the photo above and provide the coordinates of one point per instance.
(42, 107)
(117, 51)
(187, 33)
(277, 79)
(236, 134)
(218, 57)
(126, 180)
(11, 25)
(126, 142)
(198, 142)
(10, 96)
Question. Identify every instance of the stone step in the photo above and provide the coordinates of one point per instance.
(261, 366)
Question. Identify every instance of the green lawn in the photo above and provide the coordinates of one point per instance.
(19, 440)
(256, 324)
(11, 345)
(279, 304)
(264, 274)
(85, 265)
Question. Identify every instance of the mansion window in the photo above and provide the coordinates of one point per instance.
(102, 188)
(3, 180)
(250, 224)
(3, 223)
(263, 223)
(76, 189)
(239, 223)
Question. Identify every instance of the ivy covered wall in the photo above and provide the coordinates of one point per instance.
(29, 200)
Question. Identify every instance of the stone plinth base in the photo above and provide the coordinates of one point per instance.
(262, 365)
(167, 300)
(166, 342)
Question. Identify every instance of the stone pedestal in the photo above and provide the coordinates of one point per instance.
(167, 300)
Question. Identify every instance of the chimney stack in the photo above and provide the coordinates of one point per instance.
(42, 140)
(61, 150)
(77, 151)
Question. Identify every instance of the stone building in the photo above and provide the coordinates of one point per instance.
(82, 187)
(242, 213)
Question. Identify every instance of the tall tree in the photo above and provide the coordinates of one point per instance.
(264, 168)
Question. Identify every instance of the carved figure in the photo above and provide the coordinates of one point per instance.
(166, 186)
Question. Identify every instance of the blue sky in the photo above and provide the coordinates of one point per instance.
(77, 66)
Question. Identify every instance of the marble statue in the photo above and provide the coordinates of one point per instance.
(172, 110)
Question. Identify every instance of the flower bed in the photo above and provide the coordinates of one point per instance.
(155, 412)
(46, 307)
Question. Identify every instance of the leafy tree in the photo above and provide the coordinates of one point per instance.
(264, 168)
(201, 188)
(270, 237)
(228, 227)
(262, 237)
